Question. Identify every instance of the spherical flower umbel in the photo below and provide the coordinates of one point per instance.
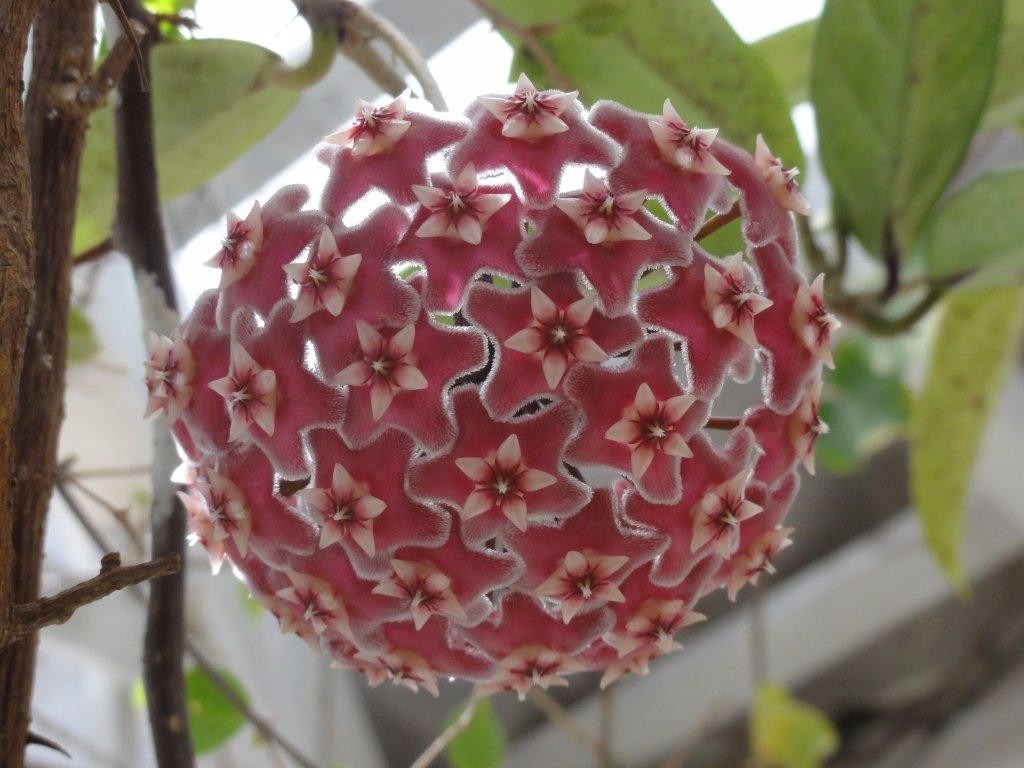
(456, 436)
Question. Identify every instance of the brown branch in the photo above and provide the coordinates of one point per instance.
(351, 18)
(30, 617)
(461, 723)
(84, 98)
(723, 422)
(139, 233)
(718, 221)
(262, 725)
(604, 752)
(530, 42)
(62, 43)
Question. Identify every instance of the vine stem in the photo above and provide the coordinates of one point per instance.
(530, 41)
(461, 723)
(562, 720)
(718, 221)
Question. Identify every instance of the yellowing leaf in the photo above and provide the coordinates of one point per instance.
(786, 733)
(977, 335)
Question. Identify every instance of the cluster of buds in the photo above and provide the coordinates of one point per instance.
(453, 437)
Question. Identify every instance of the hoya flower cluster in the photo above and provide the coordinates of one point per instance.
(499, 465)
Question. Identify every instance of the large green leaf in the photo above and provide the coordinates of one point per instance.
(481, 744)
(788, 53)
(972, 232)
(899, 87)
(865, 403)
(1006, 103)
(787, 733)
(978, 333)
(641, 51)
(212, 718)
(212, 101)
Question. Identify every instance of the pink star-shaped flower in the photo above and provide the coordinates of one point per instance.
(386, 367)
(787, 438)
(204, 426)
(717, 516)
(425, 588)
(541, 332)
(687, 194)
(458, 212)
(252, 258)
(648, 427)
(377, 474)
(325, 280)
(240, 245)
(473, 574)
(685, 146)
(811, 321)
(703, 471)
(581, 578)
(227, 512)
(374, 129)
(500, 472)
(393, 169)
(638, 419)
(747, 566)
(789, 366)
(441, 354)
(502, 481)
(530, 114)
(531, 646)
(460, 232)
(781, 180)
(731, 301)
(680, 307)
(581, 562)
(399, 666)
(374, 294)
(536, 163)
(202, 530)
(345, 508)
(317, 601)
(170, 370)
(276, 531)
(271, 396)
(605, 217)
(612, 267)
(250, 393)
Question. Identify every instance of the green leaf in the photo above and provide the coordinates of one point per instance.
(786, 733)
(212, 101)
(899, 87)
(82, 343)
(788, 53)
(684, 50)
(865, 404)
(481, 744)
(212, 719)
(1006, 103)
(977, 336)
(972, 231)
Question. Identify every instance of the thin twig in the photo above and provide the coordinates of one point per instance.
(880, 325)
(101, 472)
(263, 726)
(604, 753)
(718, 221)
(95, 253)
(128, 30)
(722, 422)
(461, 723)
(27, 618)
(562, 720)
(349, 17)
(558, 78)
